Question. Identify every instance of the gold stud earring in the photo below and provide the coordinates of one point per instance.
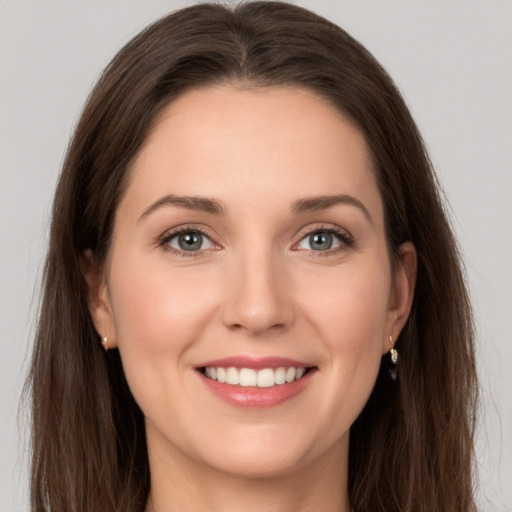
(393, 355)
(104, 343)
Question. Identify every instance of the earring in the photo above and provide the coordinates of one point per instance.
(393, 355)
(104, 343)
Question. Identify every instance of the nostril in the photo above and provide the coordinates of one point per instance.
(253, 329)
(259, 301)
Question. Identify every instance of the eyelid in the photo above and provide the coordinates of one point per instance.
(163, 240)
(345, 238)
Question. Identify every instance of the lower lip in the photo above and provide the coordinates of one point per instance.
(254, 397)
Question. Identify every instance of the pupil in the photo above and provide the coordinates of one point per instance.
(190, 241)
(321, 241)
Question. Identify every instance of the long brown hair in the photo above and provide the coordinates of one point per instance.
(411, 449)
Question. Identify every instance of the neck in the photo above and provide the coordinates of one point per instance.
(178, 484)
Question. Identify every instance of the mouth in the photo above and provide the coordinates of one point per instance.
(259, 378)
(256, 382)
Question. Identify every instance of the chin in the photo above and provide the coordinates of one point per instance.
(270, 453)
(259, 465)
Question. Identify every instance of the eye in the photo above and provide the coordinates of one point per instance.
(188, 241)
(323, 240)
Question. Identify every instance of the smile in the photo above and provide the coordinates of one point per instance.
(256, 382)
(247, 377)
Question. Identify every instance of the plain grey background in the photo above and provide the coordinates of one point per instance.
(452, 59)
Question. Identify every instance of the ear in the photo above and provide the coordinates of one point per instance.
(402, 292)
(98, 298)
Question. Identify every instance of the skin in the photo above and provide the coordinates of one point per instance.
(258, 288)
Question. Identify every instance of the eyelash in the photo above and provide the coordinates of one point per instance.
(345, 239)
(168, 236)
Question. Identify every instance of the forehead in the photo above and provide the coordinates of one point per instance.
(242, 145)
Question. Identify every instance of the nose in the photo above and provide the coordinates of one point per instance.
(260, 295)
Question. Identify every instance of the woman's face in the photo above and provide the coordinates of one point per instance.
(250, 246)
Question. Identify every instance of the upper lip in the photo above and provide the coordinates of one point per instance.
(255, 363)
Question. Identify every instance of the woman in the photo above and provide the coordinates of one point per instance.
(252, 297)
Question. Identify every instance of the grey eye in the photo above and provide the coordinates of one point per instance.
(190, 241)
(320, 241)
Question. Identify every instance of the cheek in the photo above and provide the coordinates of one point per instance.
(350, 315)
(349, 305)
(156, 309)
(158, 314)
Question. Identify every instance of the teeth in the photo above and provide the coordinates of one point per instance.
(264, 378)
(221, 374)
(248, 377)
(232, 376)
(280, 376)
(290, 374)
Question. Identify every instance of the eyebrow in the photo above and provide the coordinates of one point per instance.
(196, 203)
(301, 206)
(316, 203)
